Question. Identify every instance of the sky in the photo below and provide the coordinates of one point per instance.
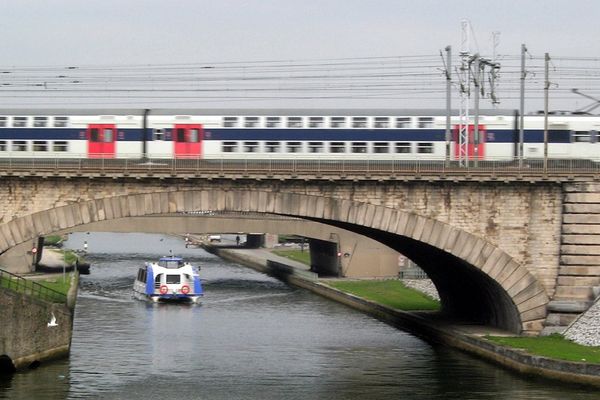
(126, 32)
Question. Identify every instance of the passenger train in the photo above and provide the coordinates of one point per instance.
(286, 133)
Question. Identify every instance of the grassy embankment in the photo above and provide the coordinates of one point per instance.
(393, 293)
(57, 284)
(390, 292)
(296, 255)
(553, 346)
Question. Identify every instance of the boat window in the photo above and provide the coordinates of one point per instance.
(173, 279)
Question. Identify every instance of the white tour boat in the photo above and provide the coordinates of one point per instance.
(170, 279)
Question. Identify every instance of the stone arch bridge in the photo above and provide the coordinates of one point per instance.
(504, 254)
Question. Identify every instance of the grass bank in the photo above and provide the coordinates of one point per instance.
(553, 346)
(33, 288)
(296, 255)
(389, 292)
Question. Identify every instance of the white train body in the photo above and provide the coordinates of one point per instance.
(280, 134)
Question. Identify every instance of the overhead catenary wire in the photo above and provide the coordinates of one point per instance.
(410, 81)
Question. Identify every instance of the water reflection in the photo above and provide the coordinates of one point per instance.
(252, 338)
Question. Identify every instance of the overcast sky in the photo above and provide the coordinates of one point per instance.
(90, 32)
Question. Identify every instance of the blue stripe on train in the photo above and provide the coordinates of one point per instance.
(412, 135)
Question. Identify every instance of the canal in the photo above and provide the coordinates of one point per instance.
(252, 338)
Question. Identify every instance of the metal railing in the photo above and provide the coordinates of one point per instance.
(300, 166)
(30, 288)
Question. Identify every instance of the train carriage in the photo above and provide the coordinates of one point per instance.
(379, 134)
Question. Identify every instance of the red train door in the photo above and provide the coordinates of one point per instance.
(187, 139)
(471, 144)
(101, 140)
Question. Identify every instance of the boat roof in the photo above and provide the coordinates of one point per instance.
(171, 258)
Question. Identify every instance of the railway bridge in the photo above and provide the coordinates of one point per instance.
(513, 248)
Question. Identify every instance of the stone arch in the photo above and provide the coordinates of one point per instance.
(514, 298)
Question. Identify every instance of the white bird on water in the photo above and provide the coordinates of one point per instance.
(52, 321)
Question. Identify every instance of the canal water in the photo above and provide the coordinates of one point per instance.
(252, 338)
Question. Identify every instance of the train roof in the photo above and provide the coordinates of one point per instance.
(342, 112)
(242, 112)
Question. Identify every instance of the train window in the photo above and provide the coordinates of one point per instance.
(402, 122)
(40, 122)
(273, 122)
(194, 135)
(315, 147)
(381, 147)
(294, 122)
(425, 148)
(3, 146)
(581, 136)
(2, 122)
(382, 122)
(294, 147)
(19, 122)
(61, 122)
(40, 145)
(338, 122)
(316, 122)
(94, 135)
(19, 145)
(425, 122)
(359, 122)
(251, 147)
(180, 132)
(273, 147)
(594, 136)
(251, 122)
(337, 147)
(230, 147)
(403, 147)
(230, 122)
(158, 134)
(61, 147)
(359, 147)
(108, 135)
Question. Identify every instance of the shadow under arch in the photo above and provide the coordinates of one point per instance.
(477, 281)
